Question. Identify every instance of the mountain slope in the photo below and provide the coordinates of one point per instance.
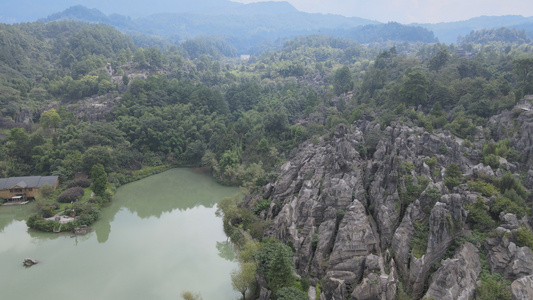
(448, 32)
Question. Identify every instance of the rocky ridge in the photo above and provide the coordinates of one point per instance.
(347, 207)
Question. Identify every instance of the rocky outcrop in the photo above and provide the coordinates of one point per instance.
(505, 257)
(445, 224)
(517, 126)
(522, 289)
(28, 262)
(355, 201)
(456, 279)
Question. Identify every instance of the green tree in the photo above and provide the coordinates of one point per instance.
(524, 69)
(343, 81)
(280, 271)
(50, 119)
(99, 180)
(414, 90)
(453, 176)
(125, 79)
(439, 60)
(243, 279)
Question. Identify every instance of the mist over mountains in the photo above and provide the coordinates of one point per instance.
(250, 28)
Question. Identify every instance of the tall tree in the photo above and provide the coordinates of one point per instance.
(50, 119)
(98, 179)
(415, 89)
(343, 81)
(243, 279)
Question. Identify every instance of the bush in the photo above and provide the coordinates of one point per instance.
(71, 195)
(453, 176)
(291, 293)
(431, 162)
(485, 188)
(479, 216)
(491, 289)
(38, 223)
(524, 238)
(81, 182)
(46, 190)
(491, 160)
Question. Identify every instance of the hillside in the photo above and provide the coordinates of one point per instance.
(390, 170)
(449, 32)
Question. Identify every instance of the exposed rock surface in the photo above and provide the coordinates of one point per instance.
(457, 277)
(517, 126)
(505, 257)
(28, 262)
(353, 203)
(522, 289)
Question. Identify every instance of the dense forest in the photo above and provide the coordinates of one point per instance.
(84, 99)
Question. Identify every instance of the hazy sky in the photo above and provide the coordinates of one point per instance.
(414, 11)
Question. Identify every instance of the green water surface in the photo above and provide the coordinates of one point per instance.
(159, 238)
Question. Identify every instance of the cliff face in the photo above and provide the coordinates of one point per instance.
(361, 224)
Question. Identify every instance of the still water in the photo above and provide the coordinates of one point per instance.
(159, 238)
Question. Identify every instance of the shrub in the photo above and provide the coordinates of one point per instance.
(509, 182)
(38, 223)
(71, 195)
(431, 162)
(291, 293)
(479, 216)
(524, 237)
(46, 190)
(81, 182)
(508, 206)
(491, 160)
(491, 289)
(261, 206)
(453, 176)
(485, 188)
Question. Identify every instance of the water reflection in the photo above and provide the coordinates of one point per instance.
(226, 250)
(9, 214)
(162, 193)
(158, 238)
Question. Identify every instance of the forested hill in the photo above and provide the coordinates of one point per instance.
(449, 32)
(253, 28)
(365, 167)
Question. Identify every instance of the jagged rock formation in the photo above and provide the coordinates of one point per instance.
(456, 279)
(507, 258)
(356, 204)
(517, 126)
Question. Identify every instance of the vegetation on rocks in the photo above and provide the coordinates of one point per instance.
(363, 167)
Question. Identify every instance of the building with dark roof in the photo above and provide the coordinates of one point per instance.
(25, 187)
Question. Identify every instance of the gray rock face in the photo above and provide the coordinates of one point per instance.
(445, 224)
(355, 240)
(522, 289)
(520, 134)
(403, 236)
(507, 258)
(342, 211)
(457, 277)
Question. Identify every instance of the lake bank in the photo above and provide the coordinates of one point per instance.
(158, 238)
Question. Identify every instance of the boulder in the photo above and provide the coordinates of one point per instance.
(28, 262)
(522, 288)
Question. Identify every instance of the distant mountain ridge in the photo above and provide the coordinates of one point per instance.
(248, 26)
(245, 27)
(449, 32)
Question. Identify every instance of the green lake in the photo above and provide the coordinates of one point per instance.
(159, 238)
